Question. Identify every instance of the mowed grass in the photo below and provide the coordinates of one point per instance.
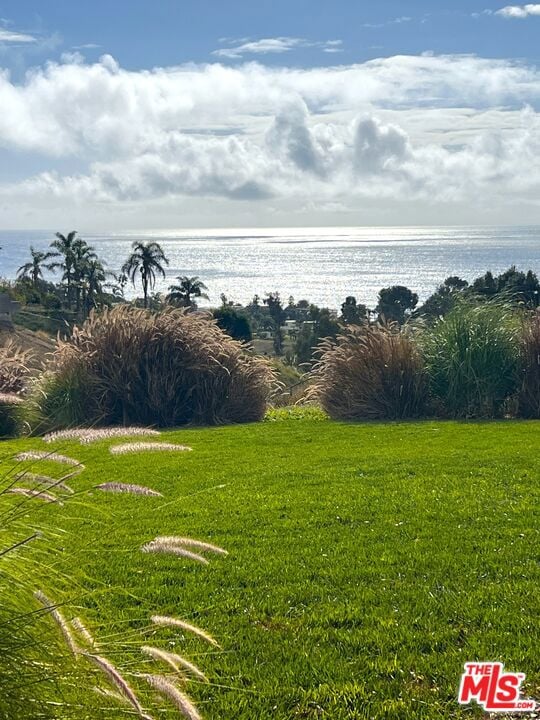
(367, 563)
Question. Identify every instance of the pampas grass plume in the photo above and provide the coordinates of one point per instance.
(59, 619)
(181, 701)
(37, 479)
(41, 494)
(190, 542)
(118, 681)
(174, 660)
(116, 487)
(160, 547)
(147, 447)
(83, 631)
(53, 457)
(90, 435)
(166, 621)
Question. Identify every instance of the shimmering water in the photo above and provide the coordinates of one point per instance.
(323, 265)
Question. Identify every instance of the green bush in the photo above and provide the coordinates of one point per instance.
(472, 357)
(234, 322)
(295, 412)
(10, 415)
(129, 365)
(370, 373)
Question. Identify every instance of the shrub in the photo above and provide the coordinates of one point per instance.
(10, 415)
(371, 372)
(295, 412)
(129, 365)
(234, 322)
(13, 368)
(396, 303)
(528, 399)
(472, 357)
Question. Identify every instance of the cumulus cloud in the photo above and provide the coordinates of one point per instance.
(115, 112)
(290, 138)
(379, 148)
(279, 45)
(435, 128)
(519, 11)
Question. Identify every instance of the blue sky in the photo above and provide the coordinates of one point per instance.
(144, 33)
(126, 115)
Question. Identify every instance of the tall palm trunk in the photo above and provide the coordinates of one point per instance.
(68, 286)
(144, 278)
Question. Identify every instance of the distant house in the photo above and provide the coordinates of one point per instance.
(8, 308)
(290, 328)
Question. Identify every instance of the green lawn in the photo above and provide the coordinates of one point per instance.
(366, 564)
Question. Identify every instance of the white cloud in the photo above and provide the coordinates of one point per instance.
(73, 58)
(115, 112)
(519, 11)
(424, 129)
(9, 36)
(395, 21)
(266, 46)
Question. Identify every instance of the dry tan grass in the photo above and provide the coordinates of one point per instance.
(528, 399)
(147, 447)
(372, 373)
(90, 435)
(10, 399)
(128, 365)
(14, 368)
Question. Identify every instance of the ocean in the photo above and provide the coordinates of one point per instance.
(322, 265)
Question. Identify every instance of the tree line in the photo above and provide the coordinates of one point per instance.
(86, 283)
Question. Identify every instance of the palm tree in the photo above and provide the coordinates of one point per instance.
(118, 286)
(93, 279)
(34, 268)
(189, 288)
(83, 255)
(64, 247)
(148, 260)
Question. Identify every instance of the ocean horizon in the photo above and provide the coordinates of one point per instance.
(320, 264)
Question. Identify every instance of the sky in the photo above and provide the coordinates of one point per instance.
(140, 115)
